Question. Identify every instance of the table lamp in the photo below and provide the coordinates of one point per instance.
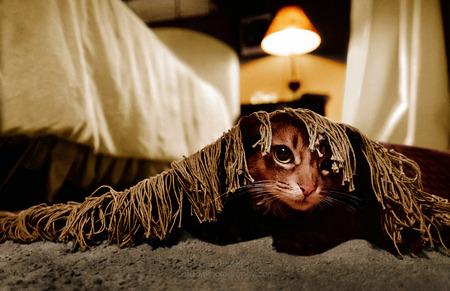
(291, 33)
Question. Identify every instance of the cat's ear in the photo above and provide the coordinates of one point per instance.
(250, 125)
(250, 129)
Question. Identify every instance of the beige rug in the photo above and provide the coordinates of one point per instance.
(196, 265)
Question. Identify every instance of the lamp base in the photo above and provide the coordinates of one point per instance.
(294, 85)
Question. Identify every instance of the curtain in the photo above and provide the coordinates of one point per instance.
(397, 85)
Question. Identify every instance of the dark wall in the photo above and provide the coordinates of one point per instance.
(330, 17)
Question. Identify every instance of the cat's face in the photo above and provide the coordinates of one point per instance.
(291, 173)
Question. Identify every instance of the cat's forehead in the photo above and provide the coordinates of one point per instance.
(287, 130)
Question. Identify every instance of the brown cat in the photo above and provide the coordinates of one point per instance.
(296, 177)
(302, 197)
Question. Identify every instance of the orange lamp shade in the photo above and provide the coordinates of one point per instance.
(290, 33)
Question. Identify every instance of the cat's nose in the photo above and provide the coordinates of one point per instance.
(307, 190)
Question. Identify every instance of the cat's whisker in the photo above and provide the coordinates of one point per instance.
(344, 196)
(220, 196)
(255, 185)
(271, 193)
(265, 195)
(268, 198)
(253, 188)
(342, 199)
(326, 203)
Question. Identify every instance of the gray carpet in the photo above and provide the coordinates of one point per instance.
(196, 265)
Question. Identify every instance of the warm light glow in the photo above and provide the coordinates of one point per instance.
(290, 33)
(291, 41)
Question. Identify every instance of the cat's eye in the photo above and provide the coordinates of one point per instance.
(327, 164)
(283, 154)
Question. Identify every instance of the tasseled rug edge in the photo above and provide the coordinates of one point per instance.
(150, 209)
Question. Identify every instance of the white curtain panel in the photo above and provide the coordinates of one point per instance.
(397, 85)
